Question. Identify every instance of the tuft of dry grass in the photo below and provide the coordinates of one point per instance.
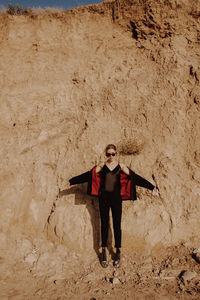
(18, 10)
(130, 146)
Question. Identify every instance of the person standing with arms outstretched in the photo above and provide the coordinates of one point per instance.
(111, 182)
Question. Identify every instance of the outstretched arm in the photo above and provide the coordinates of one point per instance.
(79, 179)
(143, 182)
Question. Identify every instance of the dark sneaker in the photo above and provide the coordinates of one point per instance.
(116, 262)
(104, 262)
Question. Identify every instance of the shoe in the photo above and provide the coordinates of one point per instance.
(104, 262)
(116, 262)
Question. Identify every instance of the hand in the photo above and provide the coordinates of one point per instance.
(68, 185)
(155, 192)
(99, 167)
(124, 168)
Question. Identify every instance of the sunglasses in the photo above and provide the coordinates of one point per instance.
(110, 154)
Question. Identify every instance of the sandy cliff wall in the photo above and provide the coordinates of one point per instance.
(124, 72)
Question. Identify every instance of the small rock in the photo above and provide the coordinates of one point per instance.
(116, 273)
(58, 281)
(114, 280)
(181, 287)
(107, 279)
(188, 276)
(34, 251)
(30, 259)
(175, 262)
(38, 292)
(196, 255)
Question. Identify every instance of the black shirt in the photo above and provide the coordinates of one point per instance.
(110, 179)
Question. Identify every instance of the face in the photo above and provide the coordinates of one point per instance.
(111, 155)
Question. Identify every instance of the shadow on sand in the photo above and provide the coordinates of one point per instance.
(92, 205)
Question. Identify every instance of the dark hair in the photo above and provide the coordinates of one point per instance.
(110, 146)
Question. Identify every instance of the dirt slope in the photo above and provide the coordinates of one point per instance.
(125, 72)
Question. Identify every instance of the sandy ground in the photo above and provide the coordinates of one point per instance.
(173, 274)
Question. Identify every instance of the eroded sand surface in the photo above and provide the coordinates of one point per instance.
(123, 72)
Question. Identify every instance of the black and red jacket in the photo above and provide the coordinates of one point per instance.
(128, 183)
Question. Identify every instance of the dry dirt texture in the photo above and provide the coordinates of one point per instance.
(124, 72)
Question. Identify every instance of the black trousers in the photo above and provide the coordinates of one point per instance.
(111, 201)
